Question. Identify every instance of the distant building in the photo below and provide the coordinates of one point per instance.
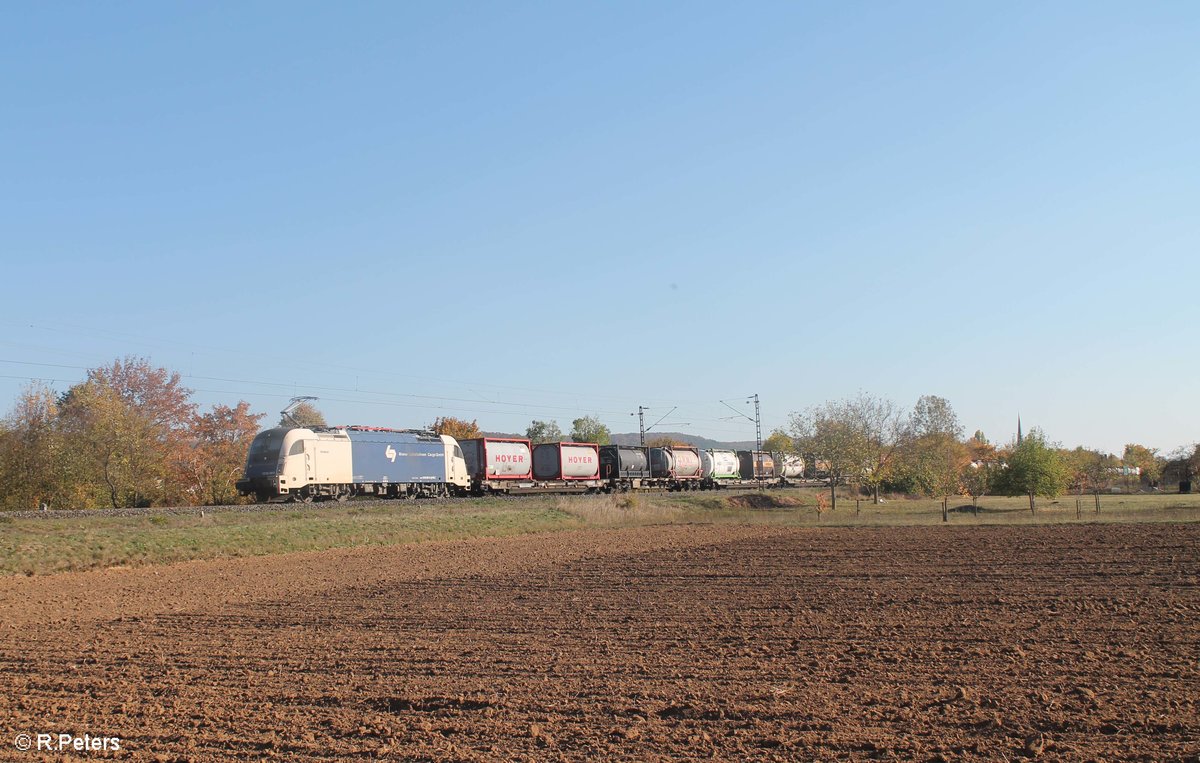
(1125, 471)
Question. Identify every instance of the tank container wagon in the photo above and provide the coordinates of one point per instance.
(498, 465)
(790, 468)
(624, 467)
(334, 463)
(756, 465)
(719, 468)
(679, 467)
(567, 467)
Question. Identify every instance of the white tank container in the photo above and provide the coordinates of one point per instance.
(566, 461)
(791, 467)
(580, 461)
(719, 464)
(508, 459)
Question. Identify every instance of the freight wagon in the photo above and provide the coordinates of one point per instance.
(567, 467)
(498, 464)
(756, 465)
(624, 467)
(791, 468)
(679, 466)
(718, 467)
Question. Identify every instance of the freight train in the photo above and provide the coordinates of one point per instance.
(335, 463)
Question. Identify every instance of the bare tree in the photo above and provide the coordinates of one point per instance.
(851, 440)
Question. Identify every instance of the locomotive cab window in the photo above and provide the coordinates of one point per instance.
(458, 452)
(297, 448)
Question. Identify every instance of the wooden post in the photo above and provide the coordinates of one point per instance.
(945, 510)
(1078, 508)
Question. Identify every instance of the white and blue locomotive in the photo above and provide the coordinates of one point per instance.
(334, 463)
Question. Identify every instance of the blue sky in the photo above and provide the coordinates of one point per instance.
(543, 210)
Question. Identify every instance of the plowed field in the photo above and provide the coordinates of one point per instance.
(981, 643)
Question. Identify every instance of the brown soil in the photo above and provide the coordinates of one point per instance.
(1059, 643)
(763, 501)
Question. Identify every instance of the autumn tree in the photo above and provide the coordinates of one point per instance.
(857, 438)
(1183, 463)
(35, 466)
(131, 421)
(1033, 469)
(828, 437)
(303, 414)
(589, 429)
(459, 429)
(1089, 471)
(933, 415)
(665, 441)
(543, 431)
(1146, 459)
(220, 440)
(779, 443)
(931, 465)
(978, 473)
(930, 459)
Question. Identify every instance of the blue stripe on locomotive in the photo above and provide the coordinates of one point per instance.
(381, 457)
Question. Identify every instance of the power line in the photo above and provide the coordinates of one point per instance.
(531, 409)
(84, 330)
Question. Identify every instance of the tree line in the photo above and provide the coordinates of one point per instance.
(583, 429)
(130, 435)
(874, 445)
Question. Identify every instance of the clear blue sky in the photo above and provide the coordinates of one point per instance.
(511, 211)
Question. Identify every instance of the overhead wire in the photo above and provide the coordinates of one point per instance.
(432, 401)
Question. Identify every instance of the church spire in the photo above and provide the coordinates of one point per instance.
(1019, 437)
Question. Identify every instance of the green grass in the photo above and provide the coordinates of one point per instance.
(43, 546)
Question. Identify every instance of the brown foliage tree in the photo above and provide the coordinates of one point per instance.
(459, 429)
(220, 441)
(33, 460)
(303, 414)
(132, 423)
(1146, 459)
(665, 441)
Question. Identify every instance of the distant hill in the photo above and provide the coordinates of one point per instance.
(632, 439)
(699, 442)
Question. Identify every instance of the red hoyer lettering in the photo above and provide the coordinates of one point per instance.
(503, 459)
(579, 459)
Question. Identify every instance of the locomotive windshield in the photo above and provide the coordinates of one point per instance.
(264, 453)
